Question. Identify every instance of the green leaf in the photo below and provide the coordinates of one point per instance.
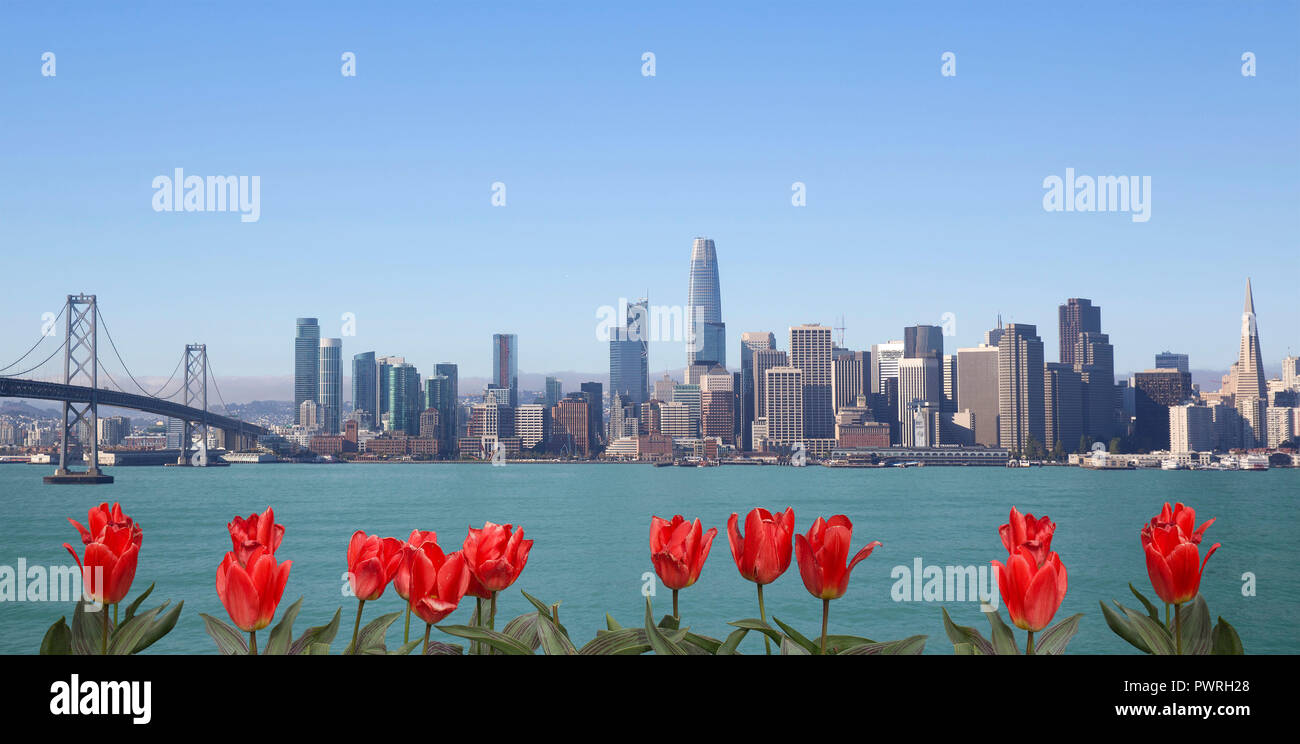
(230, 641)
(789, 647)
(611, 623)
(1152, 633)
(282, 633)
(554, 641)
(131, 608)
(57, 640)
(438, 648)
(751, 623)
(1004, 641)
(1119, 623)
(499, 641)
(88, 629)
(406, 648)
(910, 646)
(1151, 609)
(659, 643)
(318, 649)
(161, 626)
(1226, 642)
(963, 649)
(524, 630)
(1052, 642)
(1196, 628)
(620, 642)
(838, 643)
(705, 644)
(131, 632)
(794, 635)
(966, 634)
(728, 647)
(539, 604)
(323, 634)
(372, 637)
(668, 622)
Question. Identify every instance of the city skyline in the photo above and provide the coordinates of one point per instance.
(829, 99)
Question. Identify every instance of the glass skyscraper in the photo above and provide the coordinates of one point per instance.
(505, 364)
(365, 388)
(448, 406)
(404, 398)
(306, 365)
(331, 384)
(629, 355)
(706, 334)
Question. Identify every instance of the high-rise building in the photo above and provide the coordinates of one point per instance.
(306, 364)
(783, 388)
(384, 365)
(1191, 428)
(404, 399)
(595, 396)
(717, 404)
(765, 359)
(810, 351)
(689, 395)
(1291, 373)
(365, 388)
(1062, 407)
(923, 342)
(706, 335)
(448, 406)
(505, 364)
(1155, 391)
(629, 354)
(675, 420)
(993, 337)
(554, 391)
(849, 378)
(884, 363)
(532, 424)
(1094, 360)
(1171, 360)
(664, 388)
(1281, 425)
(331, 385)
(750, 343)
(977, 390)
(1250, 394)
(948, 365)
(920, 380)
(1076, 316)
(571, 420)
(112, 430)
(1020, 388)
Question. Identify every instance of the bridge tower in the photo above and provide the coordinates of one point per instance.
(196, 396)
(80, 367)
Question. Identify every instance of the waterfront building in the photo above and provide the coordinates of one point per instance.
(849, 377)
(1021, 417)
(689, 395)
(306, 364)
(1155, 391)
(1191, 428)
(1062, 407)
(532, 424)
(810, 352)
(365, 388)
(784, 406)
(331, 385)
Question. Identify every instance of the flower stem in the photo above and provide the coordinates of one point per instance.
(115, 606)
(676, 616)
(427, 627)
(1029, 647)
(1166, 616)
(103, 641)
(252, 643)
(762, 615)
(356, 627)
(492, 613)
(406, 632)
(478, 620)
(826, 612)
(1178, 629)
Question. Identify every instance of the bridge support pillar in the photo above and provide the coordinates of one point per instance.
(80, 367)
(196, 396)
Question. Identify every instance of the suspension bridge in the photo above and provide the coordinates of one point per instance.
(79, 388)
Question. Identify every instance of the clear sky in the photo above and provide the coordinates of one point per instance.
(924, 192)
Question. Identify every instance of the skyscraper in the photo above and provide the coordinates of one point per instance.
(448, 407)
(783, 388)
(920, 381)
(1076, 316)
(404, 399)
(765, 359)
(923, 342)
(331, 384)
(1171, 360)
(977, 390)
(595, 395)
(1250, 393)
(884, 363)
(849, 373)
(505, 364)
(1155, 391)
(1094, 360)
(629, 355)
(810, 351)
(750, 343)
(365, 388)
(1020, 388)
(1062, 406)
(554, 391)
(306, 364)
(706, 335)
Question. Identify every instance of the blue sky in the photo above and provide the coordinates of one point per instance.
(924, 192)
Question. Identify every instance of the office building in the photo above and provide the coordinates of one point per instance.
(849, 377)
(331, 385)
(404, 399)
(689, 396)
(1094, 360)
(448, 405)
(784, 389)
(1191, 428)
(948, 368)
(365, 389)
(505, 364)
(1075, 317)
(1249, 392)
(1155, 391)
(629, 354)
(1171, 360)
(923, 342)
(750, 343)
(1062, 407)
(919, 380)
(977, 390)
(554, 391)
(306, 364)
(1021, 418)
(706, 336)
(532, 424)
(810, 351)
(717, 407)
(594, 394)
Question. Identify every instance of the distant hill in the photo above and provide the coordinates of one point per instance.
(15, 407)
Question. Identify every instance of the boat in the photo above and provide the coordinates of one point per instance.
(1172, 463)
(1253, 462)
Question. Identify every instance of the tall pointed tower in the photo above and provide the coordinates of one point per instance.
(1249, 390)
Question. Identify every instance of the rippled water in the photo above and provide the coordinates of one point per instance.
(591, 522)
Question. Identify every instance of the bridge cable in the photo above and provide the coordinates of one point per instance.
(38, 343)
(123, 363)
(57, 349)
(213, 375)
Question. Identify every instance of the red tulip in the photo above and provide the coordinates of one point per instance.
(1171, 542)
(438, 582)
(678, 550)
(1032, 591)
(1023, 529)
(822, 554)
(112, 552)
(763, 553)
(402, 578)
(475, 588)
(372, 561)
(258, 529)
(251, 590)
(496, 555)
